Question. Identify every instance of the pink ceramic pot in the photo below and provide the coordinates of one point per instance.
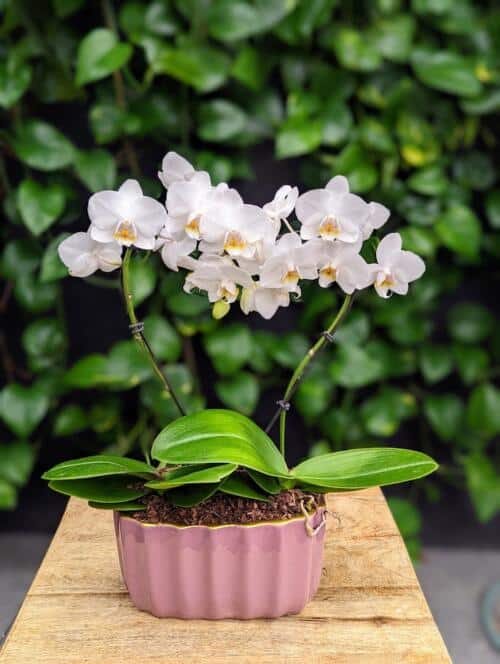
(264, 570)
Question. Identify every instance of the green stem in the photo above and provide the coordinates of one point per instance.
(299, 372)
(139, 335)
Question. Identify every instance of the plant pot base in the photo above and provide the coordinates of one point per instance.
(264, 570)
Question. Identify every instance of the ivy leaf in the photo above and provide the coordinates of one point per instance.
(96, 169)
(471, 361)
(23, 408)
(16, 462)
(239, 392)
(42, 146)
(70, 420)
(355, 50)
(470, 323)
(446, 71)
(40, 205)
(8, 495)
(143, 277)
(436, 362)
(162, 337)
(383, 413)
(220, 120)
(298, 136)
(202, 67)
(229, 347)
(460, 230)
(99, 55)
(483, 484)
(44, 342)
(52, 268)
(355, 367)
(15, 78)
(445, 414)
(483, 410)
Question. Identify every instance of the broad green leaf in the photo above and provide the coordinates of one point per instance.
(23, 408)
(64, 8)
(288, 349)
(99, 465)
(127, 365)
(355, 50)
(487, 102)
(100, 490)
(189, 496)
(363, 468)
(471, 361)
(236, 485)
(8, 496)
(229, 347)
(220, 120)
(265, 482)
(99, 55)
(40, 205)
(44, 342)
(118, 507)
(436, 362)
(15, 78)
(383, 413)
(19, 257)
(42, 146)
(162, 338)
(52, 268)
(483, 410)
(446, 71)
(250, 68)
(232, 20)
(474, 170)
(460, 230)
(239, 392)
(219, 436)
(354, 366)
(470, 323)
(87, 372)
(33, 295)
(483, 484)
(314, 393)
(355, 329)
(298, 136)
(429, 181)
(493, 208)
(202, 67)
(393, 36)
(143, 278)
(70, 420)
(445, 413)
(16, 462)
(337, 122)
(192, 475)
(354, 162)
(96, 169)
(422, 241)
(107, 122)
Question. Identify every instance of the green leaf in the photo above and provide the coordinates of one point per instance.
(118, 507)
(219, 436)
(393, 36)
(231, 20)
(220, 120)
(42, 146)
(33, 295)
(406, 516)
(483, 484)
(354, 162)
(436, 362)
(314, 394)
(162, 338)
(266, 483)
(40, 205)
(483, 410)
(96, 169)
(15, 78)
(460, 230)
(189, 496)
(19, 257)
(239, 486)
(493, 208)
(23, 408)
(446, 71)
(355, 50)
(70, 420)
(355, 367)
(470, 323)
(143, 278)
(288, 349)
(229, 347)
(421, 241)
(362, 468)
(337, 122)
(429, 181)
(16, 462)
(100, 490)
(87, 372)
(192, 475)
(445, 414)
(202, 67)
(107, 122)
(250, 68)
(298, 136)
(99, 55)
(8, 496)
(64, 8)
(474, 170)
(239, 392)
(471, 361)
(52, 268)
(45, 342)
(383, 413)
(355, 329)
(99, 465)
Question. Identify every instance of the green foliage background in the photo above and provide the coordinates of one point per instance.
(399, 96)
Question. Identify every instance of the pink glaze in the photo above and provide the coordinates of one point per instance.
(259, 571)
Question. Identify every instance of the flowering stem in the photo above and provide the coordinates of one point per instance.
(301, 369)
(139, 335)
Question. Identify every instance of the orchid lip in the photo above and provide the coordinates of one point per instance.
(125, 233)
(329, 228)
(192, 227)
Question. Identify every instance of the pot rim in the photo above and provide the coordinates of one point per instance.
(278, 522)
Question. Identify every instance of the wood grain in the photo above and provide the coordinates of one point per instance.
(369, 607)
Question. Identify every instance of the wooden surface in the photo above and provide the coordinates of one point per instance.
(369, 607)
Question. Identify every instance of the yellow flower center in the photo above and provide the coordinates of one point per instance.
(291, 276)
(125, 232)
(329, 228)
(192, 227)
(387, 281)
(234, 243)
(328, 272)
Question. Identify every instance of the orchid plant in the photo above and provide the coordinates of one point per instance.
(257, 257)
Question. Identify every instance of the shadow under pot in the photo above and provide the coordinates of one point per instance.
(262, 570)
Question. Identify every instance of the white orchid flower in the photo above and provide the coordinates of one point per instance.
(288, 262)
(377, 216)
(174, 252)
(126, 216)
(279, 209)
(175, 168)
(239, 229)
(83, 256)
(187, 202)
(331, 213)
(265, 301)
(395, 268)
(219, 277)
(340, 263)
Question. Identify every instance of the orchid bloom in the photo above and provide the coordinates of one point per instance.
(187, 202)
(126, 216)
(174, 168)
(340, 263)
(331, 213)
(282, 205)
(395, 268)
(219, 277)
(288, 263)
(377, 216)
(174, 252)
(83, 256)
(265, 301)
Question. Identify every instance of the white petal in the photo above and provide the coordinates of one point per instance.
(411, 265)
(148, 215)
(174, 168)
(101, 235)
(105, 209)
(388, 249)
(338, 185)
(378, 214)
(130, 190)
(74, 246)
(353, 208)
(313, 204)
(267, 302)
(109, 257)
